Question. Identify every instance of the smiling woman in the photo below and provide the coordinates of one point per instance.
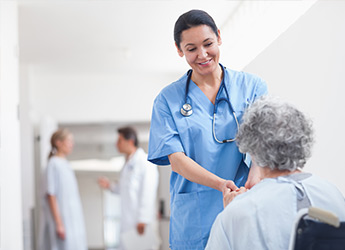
(202, 165)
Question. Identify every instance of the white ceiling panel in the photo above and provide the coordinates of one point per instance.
(114, 36)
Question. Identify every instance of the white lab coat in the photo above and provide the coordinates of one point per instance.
(138, 191)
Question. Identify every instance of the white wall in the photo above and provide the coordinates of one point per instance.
(27, 159)
(92, 201)
(11, 229)
(305, 66)
(85, 97)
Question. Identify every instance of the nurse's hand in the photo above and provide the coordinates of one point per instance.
(228, 185)
(228, 195)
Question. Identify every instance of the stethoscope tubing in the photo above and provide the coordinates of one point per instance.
(222, 86)
(187, 110)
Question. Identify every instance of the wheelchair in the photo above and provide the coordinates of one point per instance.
(317, 229)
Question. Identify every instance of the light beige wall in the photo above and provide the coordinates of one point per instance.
(305, 66)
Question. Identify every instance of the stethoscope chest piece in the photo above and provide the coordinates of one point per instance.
(186, 109)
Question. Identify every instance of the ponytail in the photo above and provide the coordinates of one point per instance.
(52, 153)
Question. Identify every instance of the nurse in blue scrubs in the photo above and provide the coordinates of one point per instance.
(198, 141)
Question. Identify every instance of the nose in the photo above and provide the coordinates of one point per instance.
(202, 53)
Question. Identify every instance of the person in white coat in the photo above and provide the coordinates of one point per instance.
(137, 188)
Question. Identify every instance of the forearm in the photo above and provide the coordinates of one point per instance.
(54, 208)
(192, 171)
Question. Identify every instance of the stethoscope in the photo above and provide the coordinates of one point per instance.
(187, 109)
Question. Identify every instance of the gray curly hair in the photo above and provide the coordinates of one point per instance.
(276, 134)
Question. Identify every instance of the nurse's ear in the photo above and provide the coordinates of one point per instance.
(179, 51)
(219, 39)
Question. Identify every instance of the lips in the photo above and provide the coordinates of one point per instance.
(204, 63)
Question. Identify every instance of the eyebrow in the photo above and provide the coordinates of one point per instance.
(192, 44)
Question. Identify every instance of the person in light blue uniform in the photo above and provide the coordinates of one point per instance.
(63, 212)
(193, 126)
(279, 138)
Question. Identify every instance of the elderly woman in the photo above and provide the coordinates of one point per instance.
(279, 139)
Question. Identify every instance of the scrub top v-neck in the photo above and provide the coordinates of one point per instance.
(193, 206)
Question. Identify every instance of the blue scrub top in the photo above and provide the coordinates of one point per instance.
(194, 207)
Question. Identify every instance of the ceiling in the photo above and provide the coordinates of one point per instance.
(107, 36)
(119, 37)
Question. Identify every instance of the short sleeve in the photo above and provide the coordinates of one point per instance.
(51, 176)
(164, 137)
(256, 88)
(261, 88)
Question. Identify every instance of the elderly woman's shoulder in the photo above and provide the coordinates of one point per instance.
(320, 181)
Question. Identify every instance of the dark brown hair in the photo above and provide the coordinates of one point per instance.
(129, 133)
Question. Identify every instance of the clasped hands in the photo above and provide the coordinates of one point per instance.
(230, 191)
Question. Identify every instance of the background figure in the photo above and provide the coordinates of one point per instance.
(198, 143)
(63, 210)
(137, 188)
(279, 139)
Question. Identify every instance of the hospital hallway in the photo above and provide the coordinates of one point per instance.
(95, 66)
